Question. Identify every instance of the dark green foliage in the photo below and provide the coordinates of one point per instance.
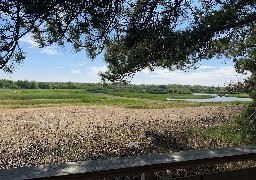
(84, 24)
(181, 34)
(27, 84)
(8, 84)
(246, 124)
(242, 130)
(103, 88)
(134, 34)
(224, 132)
(44, 85)
(253, 95)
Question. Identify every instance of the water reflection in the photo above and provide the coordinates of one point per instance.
(215, 98)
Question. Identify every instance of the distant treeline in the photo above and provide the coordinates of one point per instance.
(100, 88)
(20, 84)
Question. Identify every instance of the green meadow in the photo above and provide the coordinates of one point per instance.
(20, 98)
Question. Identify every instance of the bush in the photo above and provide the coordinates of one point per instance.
(246, 123)
(253, 95)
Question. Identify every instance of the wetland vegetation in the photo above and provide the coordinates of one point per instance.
(89, 121)
(15, 94)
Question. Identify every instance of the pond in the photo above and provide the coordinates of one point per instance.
(215, 98)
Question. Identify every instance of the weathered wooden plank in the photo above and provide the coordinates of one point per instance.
(240, 174)
(131, 165)
(147, 176)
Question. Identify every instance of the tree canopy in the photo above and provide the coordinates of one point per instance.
(134, 35)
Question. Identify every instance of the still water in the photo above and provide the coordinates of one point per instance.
(215, 98)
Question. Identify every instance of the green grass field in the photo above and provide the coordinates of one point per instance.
(241, 95)
(223, 132)
(11, 98)
(162, 97)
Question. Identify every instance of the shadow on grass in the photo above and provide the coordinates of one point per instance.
(167, 141)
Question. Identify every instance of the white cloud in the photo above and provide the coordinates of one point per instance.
(75, 71)
(81, 64)
(50, 50)
(145, 71)
(29, 40)
(88, 74)
(94, 70)
(77, 64)
(206, 67)
(210, 76)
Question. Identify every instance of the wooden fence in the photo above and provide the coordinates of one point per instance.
(145, 165)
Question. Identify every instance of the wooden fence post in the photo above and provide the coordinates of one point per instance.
(147, 176)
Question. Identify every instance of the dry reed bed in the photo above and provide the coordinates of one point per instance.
(60, 134)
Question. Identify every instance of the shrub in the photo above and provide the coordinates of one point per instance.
(246, 123)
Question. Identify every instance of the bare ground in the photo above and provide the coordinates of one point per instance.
(60, 134)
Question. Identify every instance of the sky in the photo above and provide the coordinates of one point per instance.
(52, 64)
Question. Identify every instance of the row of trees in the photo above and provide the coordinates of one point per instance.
(9, 84)
(102, 88)
(157, 89)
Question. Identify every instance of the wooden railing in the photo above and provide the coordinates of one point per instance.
(145, 165)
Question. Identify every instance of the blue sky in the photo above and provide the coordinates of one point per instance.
(53, 64)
